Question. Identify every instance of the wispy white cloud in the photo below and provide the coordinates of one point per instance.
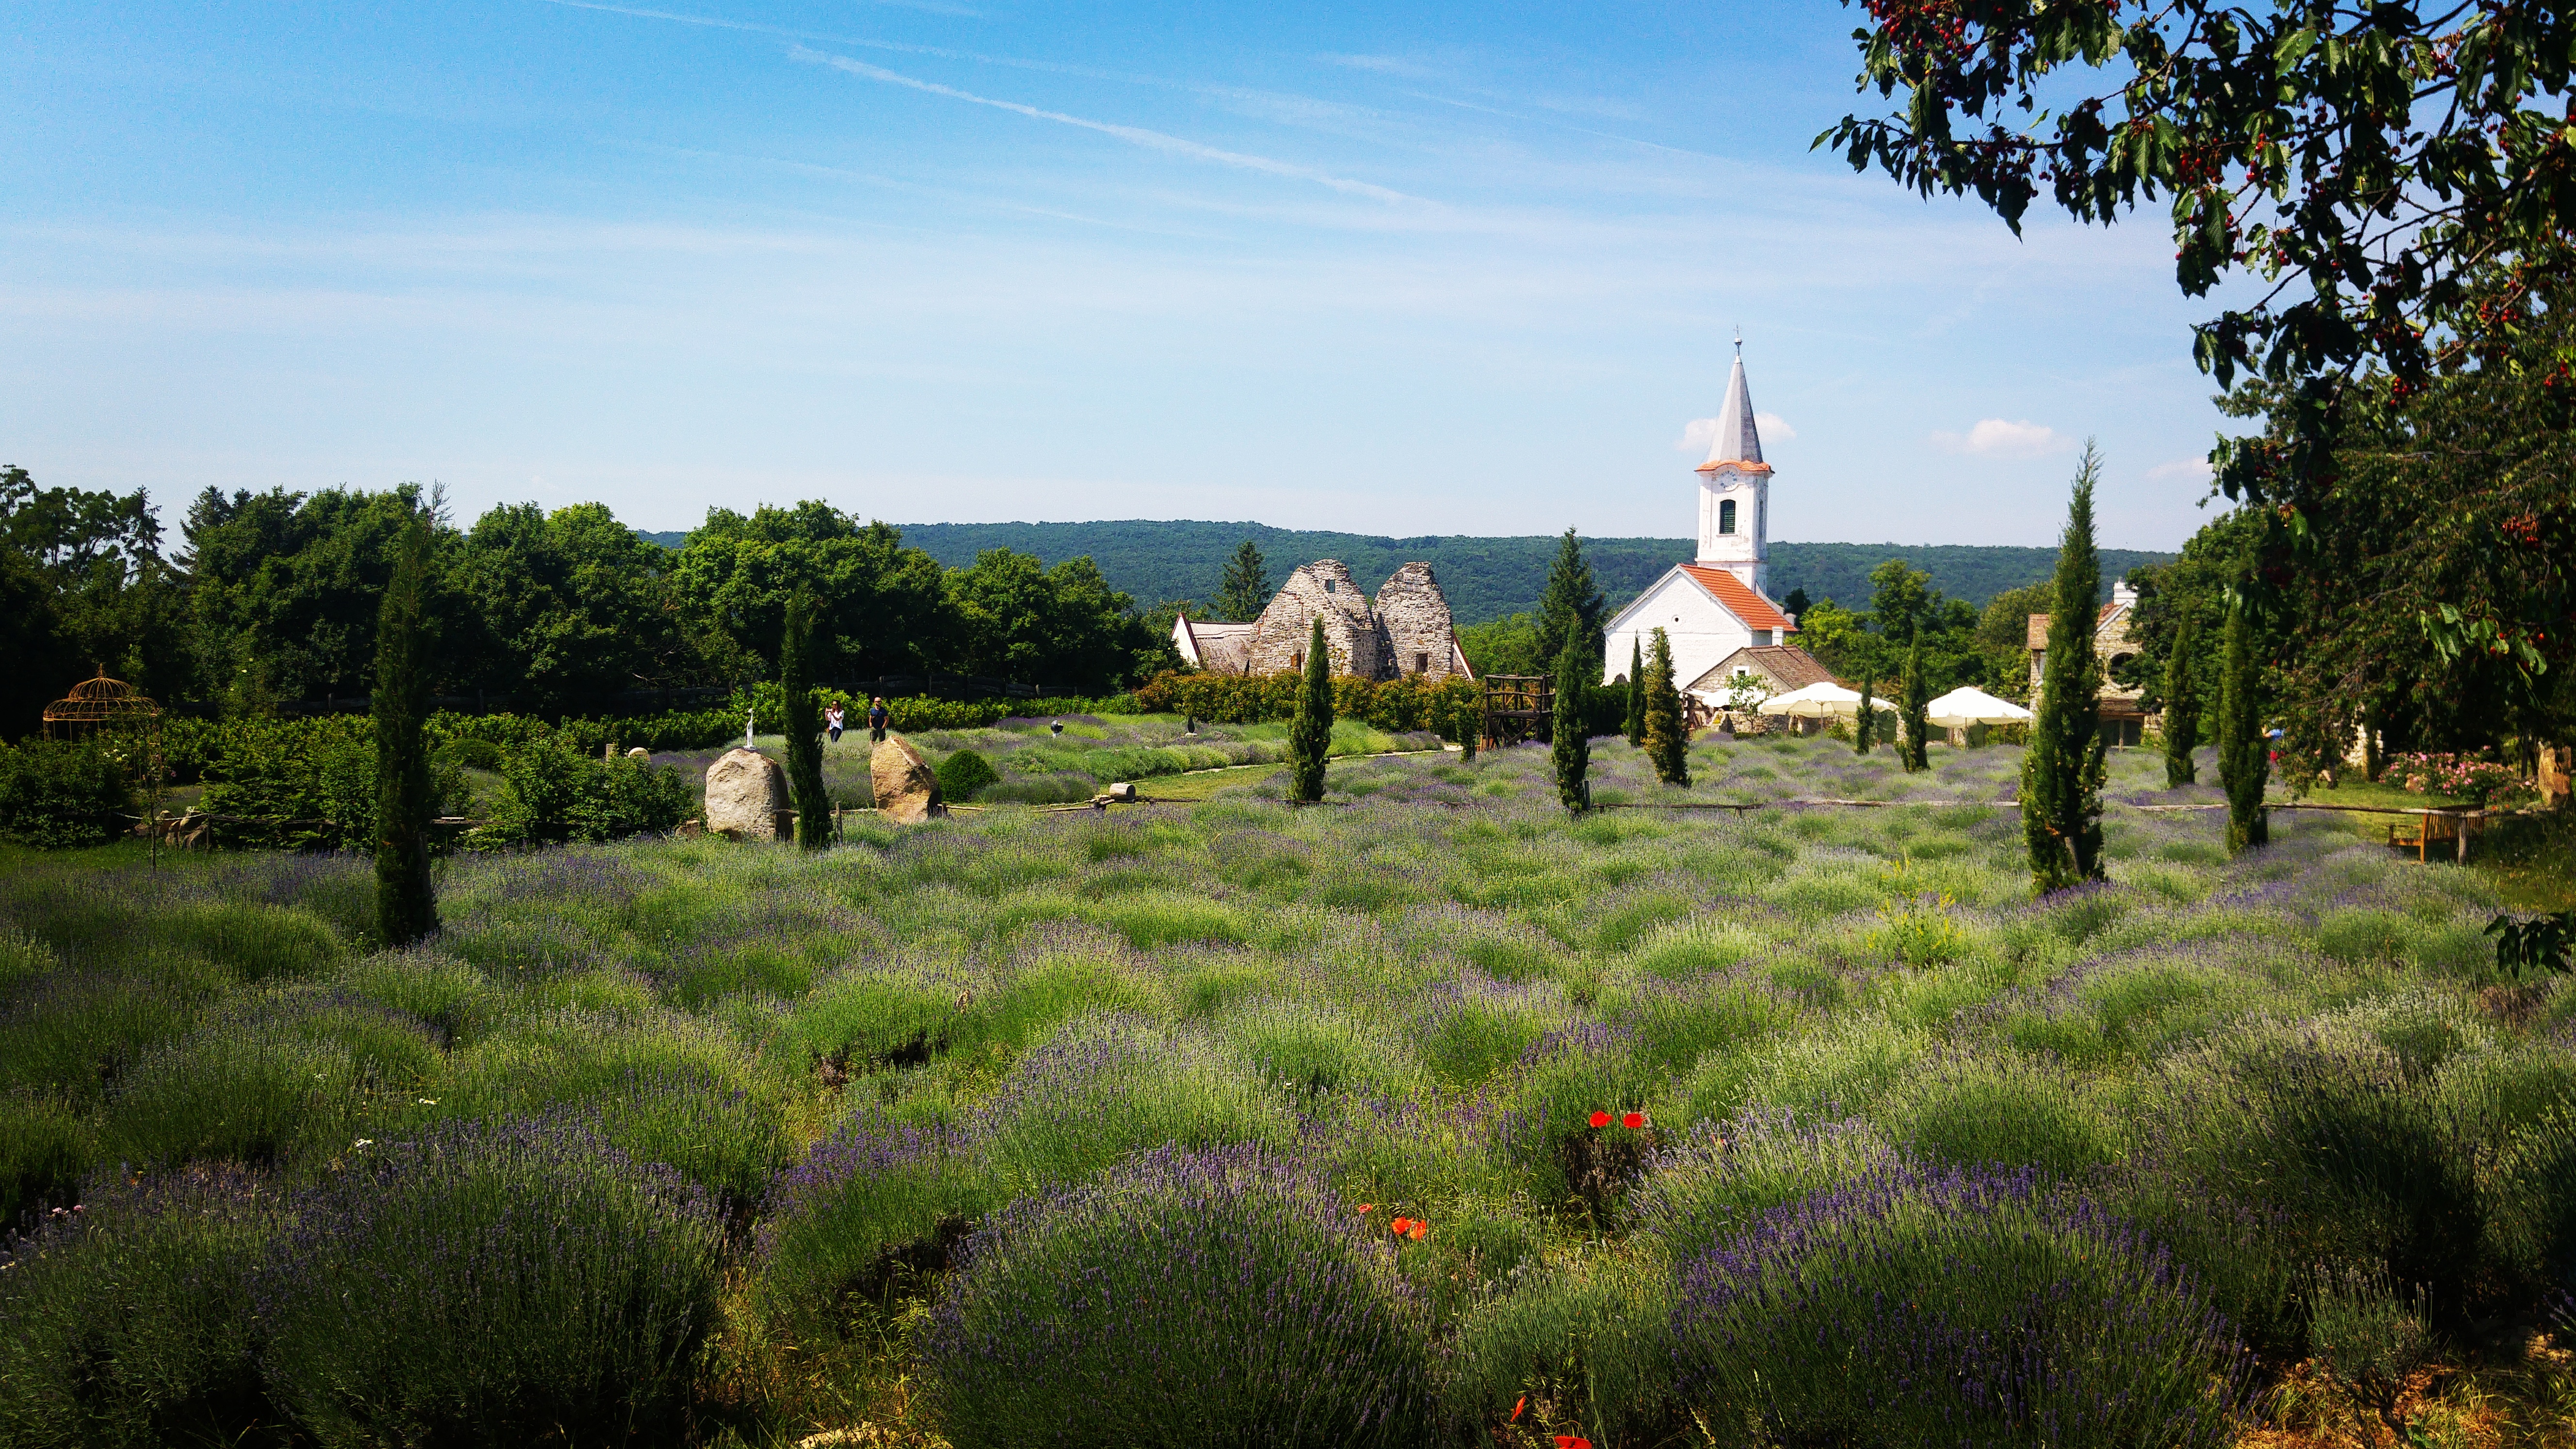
(1774, 426)
(1133, 135)
(2185, 470)
(1381, 64)
(1996, 438)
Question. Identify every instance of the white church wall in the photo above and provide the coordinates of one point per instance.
(1700, 631)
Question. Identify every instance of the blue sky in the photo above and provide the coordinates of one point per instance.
(1387, 268)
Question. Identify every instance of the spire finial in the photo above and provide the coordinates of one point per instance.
(1739, 340)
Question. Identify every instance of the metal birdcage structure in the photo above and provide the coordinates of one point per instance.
(1517, 707)
(103, 709)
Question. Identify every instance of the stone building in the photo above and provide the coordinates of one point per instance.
(1406, 631)
(2124, 717)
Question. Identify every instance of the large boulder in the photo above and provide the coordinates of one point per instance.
(747, 797)
(907, 788)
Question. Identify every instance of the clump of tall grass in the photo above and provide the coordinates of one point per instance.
(1717, 1179)
(1910, 1307)
(127, 1320)
(1186, 1298)
(491, 1282)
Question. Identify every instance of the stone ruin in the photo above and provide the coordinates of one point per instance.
(1405, 632)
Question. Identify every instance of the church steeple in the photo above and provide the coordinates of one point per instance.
(1735, 487)
(1737, 441)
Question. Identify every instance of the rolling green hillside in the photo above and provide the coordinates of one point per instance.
(1485, 578)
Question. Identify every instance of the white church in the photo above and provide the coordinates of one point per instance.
(1714, 610)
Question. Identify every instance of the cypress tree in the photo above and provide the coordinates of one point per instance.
(2182, 706)
(1570, 742)
(1246, 590)
(406, 903)
(804, 725)
(1916, 750)
(1470, 714)
(1865, 721)
(2244, 767)
(1571, 608)
(2061, 776)
(1637, 693)
(1310, 737)
(1667, 737)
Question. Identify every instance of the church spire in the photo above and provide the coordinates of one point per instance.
(1737, 441)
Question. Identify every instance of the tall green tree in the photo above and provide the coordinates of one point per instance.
(1636, 693)
(1916, 749)
(1902, 602)
(1667, 728)
(574, 605)
(2364, 161)
(2062, 773)
(406, 901)
(1571, 610)
(2244, 759)
(884, 607)
(1014, 618)
(2182, 706)
(1570, 732)
(1310, 734)
(797, 651)
(1246, 590)
(282, 587)
(1865, 719)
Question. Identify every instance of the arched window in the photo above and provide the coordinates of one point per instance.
(1726, 515)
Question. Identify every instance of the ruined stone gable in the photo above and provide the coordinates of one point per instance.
(1413, 619)
(1405, 631)
(1322, 589)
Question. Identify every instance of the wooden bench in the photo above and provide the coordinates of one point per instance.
(2421, 831)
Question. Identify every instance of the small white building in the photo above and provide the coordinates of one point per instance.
(1713, 607)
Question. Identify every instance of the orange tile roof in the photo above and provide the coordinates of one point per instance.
(1714, 464)
(1739, 598)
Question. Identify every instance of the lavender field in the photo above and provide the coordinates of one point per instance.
(1426, 1116)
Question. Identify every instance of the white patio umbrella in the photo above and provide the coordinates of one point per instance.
(1814, 701)
(1968, 705)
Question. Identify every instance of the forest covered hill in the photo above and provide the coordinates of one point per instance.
(1484, 578)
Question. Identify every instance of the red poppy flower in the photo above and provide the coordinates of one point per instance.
(1364, 1207)
(1517, 1405)
(1633, 1120)
(1417, 1230)
(1572, 1441)
(1600, 1119)
(1399, 1225)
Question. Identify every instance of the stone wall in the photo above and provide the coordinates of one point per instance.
(1322, 589)
(1413, 615)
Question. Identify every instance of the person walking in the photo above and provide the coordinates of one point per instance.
(832, 721)
(878, 714)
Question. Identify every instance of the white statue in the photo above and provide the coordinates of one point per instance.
(747, 717)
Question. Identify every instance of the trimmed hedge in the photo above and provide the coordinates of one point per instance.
(1396, 705)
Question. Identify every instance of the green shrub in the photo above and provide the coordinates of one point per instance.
(492, 1284)
(1721, 1177)
(56, 795)
(1199, 1298)
(964, 773)
(555, 792)
(74, 1035)
(129, 1321)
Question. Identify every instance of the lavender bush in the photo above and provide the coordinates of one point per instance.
(126, 1319)
(1912, 1307)
(491, 1284)
(1187, 1298)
